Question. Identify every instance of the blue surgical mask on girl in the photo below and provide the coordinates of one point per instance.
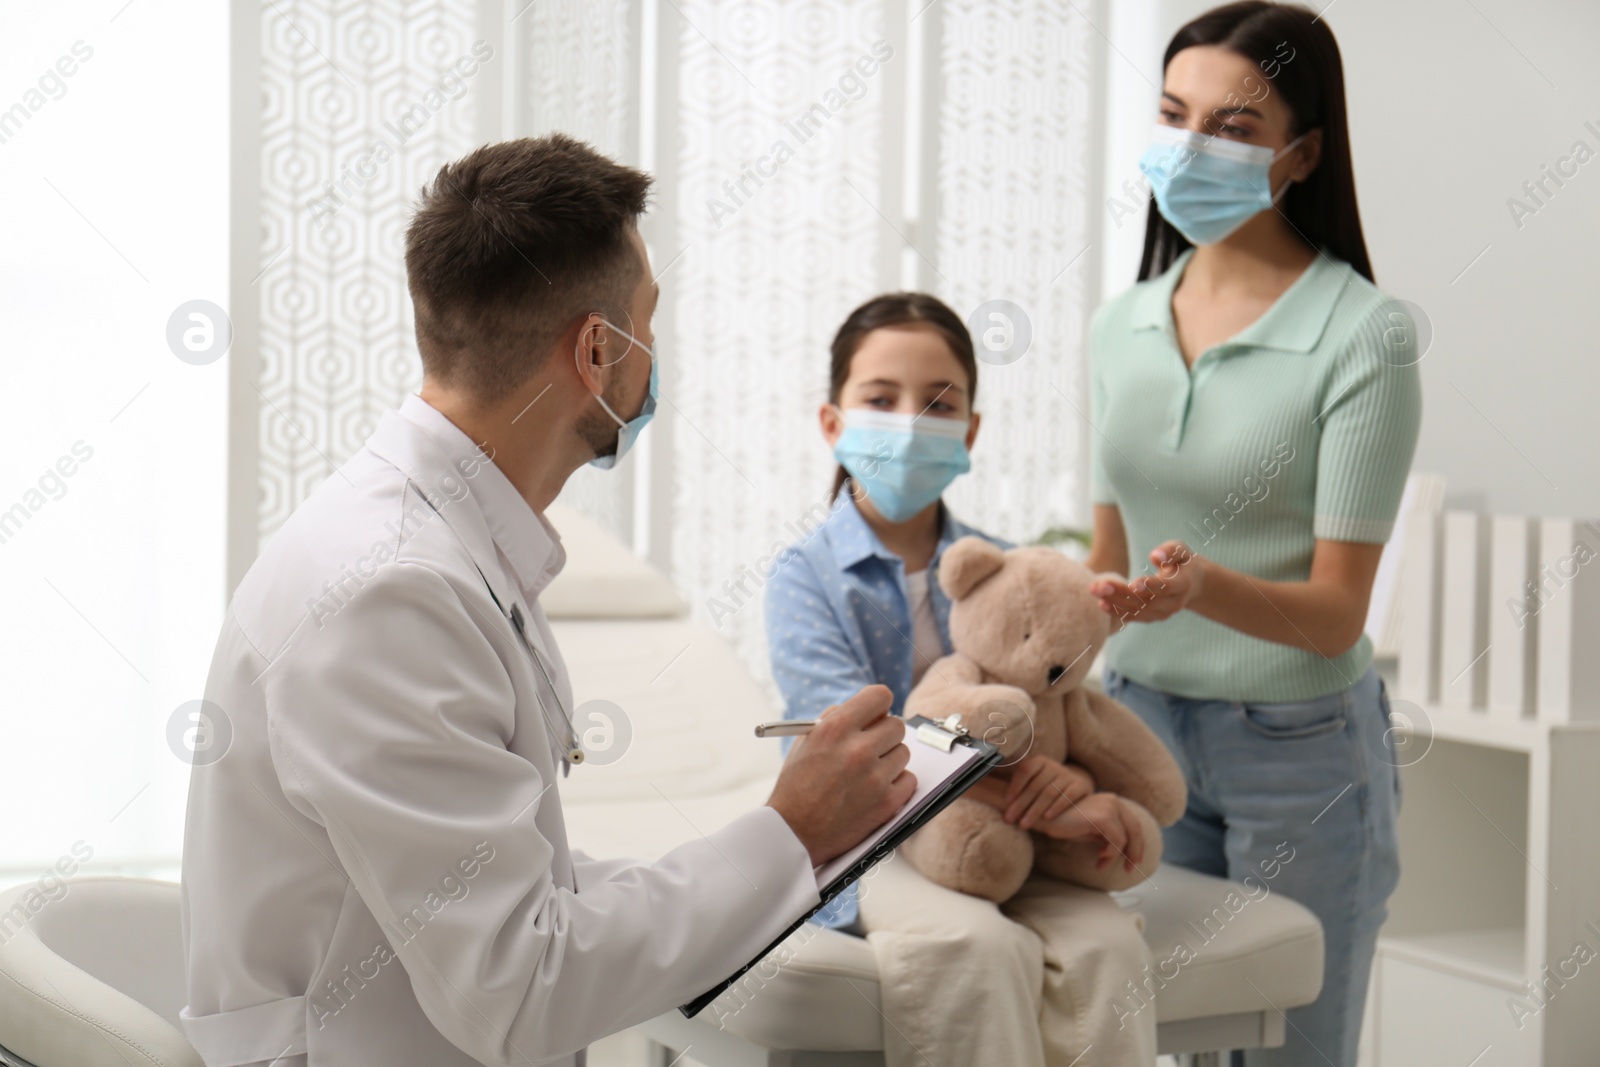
(903, 462)
(1208, 187)
(629, 429)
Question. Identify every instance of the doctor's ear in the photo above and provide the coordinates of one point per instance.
(594, 340)
(589, 351)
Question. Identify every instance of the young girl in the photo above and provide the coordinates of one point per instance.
(965, 981)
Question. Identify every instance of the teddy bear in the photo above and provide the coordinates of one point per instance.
(1025, 629)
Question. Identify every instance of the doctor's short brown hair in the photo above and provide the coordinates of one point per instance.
(509, 246)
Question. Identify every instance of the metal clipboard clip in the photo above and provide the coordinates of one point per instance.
(942, 734)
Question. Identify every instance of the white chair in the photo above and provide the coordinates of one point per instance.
(91, 975)
(693, 764)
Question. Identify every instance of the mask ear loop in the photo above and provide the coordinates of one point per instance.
(1279, 155)
(578, 360)
(632, 340)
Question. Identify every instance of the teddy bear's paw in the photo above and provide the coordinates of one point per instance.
(1003, 716)
(993, 863)
(970, 849)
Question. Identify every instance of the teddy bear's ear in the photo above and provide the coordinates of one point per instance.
(966, 563)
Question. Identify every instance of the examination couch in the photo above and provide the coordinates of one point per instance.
(690, 763)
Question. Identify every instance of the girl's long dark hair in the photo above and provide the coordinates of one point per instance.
(898, 309)
(1298, 57)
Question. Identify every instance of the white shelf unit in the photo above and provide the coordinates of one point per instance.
(1491, 954)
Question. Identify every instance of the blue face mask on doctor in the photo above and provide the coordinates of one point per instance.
(628, 431)
(1208, 187)
(903, 462)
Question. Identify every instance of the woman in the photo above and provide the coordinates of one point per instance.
(1258, 420)
(856, 602)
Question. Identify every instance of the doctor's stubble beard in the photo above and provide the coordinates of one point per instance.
(598, 430)
(595, 427)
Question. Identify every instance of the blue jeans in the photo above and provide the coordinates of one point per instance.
(1320, 775)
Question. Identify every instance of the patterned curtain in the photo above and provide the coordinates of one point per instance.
(788, 196)
(361, 104)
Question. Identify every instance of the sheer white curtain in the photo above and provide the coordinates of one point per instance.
(835, 152)
(1017, 222)
(786, 167)
(114, 172)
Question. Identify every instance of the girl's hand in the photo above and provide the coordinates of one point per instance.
(1179, 578)
(1042, 788)
(1105, 819)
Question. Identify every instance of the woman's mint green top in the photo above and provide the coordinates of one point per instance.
(1300, 427)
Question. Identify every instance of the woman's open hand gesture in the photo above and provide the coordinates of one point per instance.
(1180, 574)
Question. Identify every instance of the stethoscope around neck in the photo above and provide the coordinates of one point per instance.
(560, 729)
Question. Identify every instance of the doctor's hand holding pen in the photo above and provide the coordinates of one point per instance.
(846, 776)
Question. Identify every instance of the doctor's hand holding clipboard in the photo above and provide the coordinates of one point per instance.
(846, 776)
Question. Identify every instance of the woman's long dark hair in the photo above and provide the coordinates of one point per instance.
(898, 309)
(1311, 78)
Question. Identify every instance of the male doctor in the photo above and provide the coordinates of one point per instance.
(376, 870)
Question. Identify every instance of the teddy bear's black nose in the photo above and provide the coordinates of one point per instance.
(1056, 672)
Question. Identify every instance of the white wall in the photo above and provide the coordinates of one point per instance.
(1453, 106)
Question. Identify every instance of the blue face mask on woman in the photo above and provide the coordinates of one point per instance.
(1208, 187)
(629, 430)
(903, 462)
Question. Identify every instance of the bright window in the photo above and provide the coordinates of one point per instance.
(114, 173)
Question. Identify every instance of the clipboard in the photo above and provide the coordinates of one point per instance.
(934, 741)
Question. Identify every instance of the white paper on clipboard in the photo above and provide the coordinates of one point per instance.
(931, 768)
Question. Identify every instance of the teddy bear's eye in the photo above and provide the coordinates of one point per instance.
(1027, 635)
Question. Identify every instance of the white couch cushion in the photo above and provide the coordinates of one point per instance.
(602, 579)
(1210, 940)
(691, 708)
(1270, 947)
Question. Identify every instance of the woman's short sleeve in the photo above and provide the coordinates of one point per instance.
(1370, 415)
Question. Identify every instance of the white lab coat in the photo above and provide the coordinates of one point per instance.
(377, 870)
